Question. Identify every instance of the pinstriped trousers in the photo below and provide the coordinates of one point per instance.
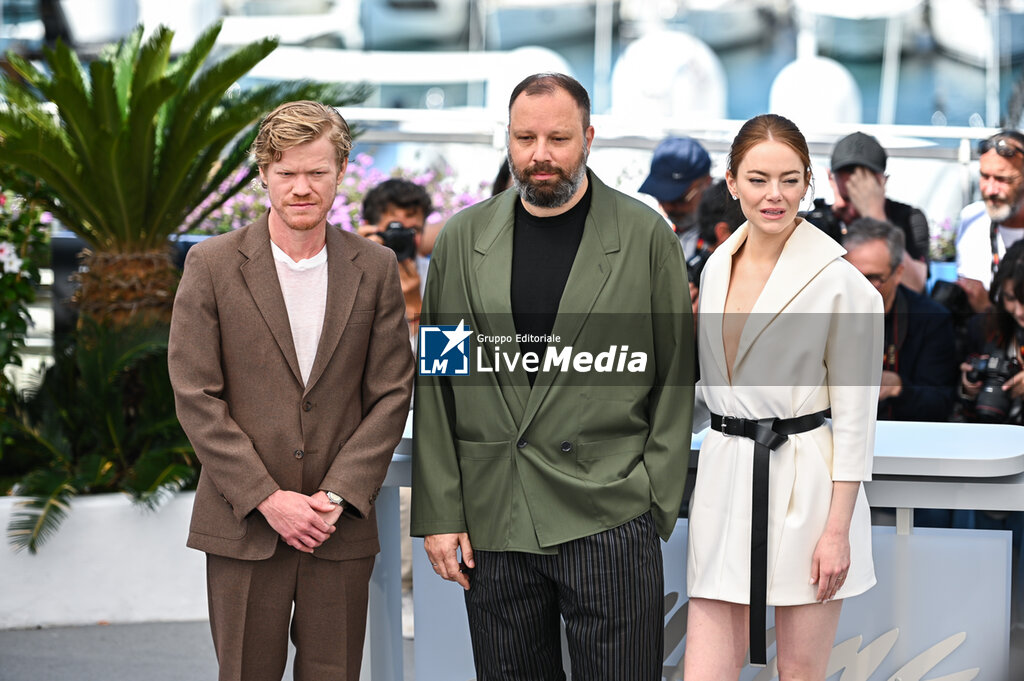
(609, 589)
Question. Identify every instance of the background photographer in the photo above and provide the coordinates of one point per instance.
(992, 383)
(680, 173)
(997, 337)
(858, 180)
(989, 226)
(394, 214)
(919, 365)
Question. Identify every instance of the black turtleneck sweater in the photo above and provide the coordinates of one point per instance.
(542, 256)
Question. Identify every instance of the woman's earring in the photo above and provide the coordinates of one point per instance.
(735, 198)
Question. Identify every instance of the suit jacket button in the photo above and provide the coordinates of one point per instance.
(299, 453)
(566, 446)
(522, 443)
(307, 406)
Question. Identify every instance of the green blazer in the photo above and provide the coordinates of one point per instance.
(580, 452)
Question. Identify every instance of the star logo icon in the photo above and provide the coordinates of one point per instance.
(444, 350)
(456, 337)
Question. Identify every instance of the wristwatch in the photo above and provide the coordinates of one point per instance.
(335, 499)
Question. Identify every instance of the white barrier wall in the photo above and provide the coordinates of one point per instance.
(111, 561)
(940, 610)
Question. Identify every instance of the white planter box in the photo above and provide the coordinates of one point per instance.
(111, 561)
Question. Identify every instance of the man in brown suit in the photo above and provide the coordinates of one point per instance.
(292, 370)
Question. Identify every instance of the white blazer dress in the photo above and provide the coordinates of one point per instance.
(812, 341)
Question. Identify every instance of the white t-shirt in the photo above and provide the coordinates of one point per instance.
(304, 285)
(974, 243)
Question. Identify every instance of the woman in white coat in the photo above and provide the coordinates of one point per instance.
(787, 330)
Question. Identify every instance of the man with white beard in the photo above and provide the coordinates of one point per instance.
(990, 226)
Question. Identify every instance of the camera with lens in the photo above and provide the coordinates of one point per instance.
(993, 404)
(400, 239)
(822, 217)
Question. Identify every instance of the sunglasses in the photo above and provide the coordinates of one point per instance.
(1001, 147)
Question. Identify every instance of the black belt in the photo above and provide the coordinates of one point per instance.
(768, 435)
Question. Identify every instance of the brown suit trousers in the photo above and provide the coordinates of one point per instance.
(251, 607)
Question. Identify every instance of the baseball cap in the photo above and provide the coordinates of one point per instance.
(859, 149)
(677, 162)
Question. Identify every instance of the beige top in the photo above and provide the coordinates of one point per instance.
(304, 287)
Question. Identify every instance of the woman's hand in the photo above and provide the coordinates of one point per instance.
(830, 564)
(831, 559)
(1015, 385)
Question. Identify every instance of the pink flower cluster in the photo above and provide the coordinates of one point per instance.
(361, 176)
(942, 245)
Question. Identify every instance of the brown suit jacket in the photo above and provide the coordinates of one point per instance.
(240, 398)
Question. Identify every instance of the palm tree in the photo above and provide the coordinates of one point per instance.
(130, 145)
(101, 420)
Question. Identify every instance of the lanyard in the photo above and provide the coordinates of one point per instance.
(993, 236)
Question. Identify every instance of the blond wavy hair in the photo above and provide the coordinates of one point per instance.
(295, 123)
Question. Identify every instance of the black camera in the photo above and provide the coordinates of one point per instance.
(400, 239)
(993, 404)
(822, 217)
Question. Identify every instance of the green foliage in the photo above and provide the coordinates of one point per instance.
(130, 144)
(23, 249)
(102, 420)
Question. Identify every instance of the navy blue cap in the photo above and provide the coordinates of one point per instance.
(677, 162)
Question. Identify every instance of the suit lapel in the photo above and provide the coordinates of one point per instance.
(590, 271)
(260, 274)
(713, 289)
(493, 283)
(343, 277)
(807, 251)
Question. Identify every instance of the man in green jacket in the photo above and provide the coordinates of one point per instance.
(553, 453)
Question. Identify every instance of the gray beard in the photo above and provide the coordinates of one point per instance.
(549, 195)
(999, 214)
(1006, 211)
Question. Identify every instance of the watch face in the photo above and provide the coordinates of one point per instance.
(334, 499)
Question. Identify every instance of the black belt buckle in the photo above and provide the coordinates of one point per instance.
(732, 425)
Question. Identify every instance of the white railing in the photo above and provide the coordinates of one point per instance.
(931, 167)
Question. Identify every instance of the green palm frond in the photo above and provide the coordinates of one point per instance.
(129, 146)
(94, 472)
(37, 518)
(157, 476)
(101, 420)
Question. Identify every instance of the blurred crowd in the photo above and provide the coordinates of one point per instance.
(953, 349)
